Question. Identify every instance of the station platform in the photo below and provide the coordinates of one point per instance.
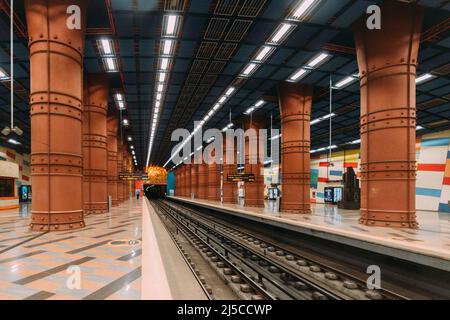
(118, 256)
(428, 245)
(106, 255)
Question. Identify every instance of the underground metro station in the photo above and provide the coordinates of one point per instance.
(224, 150)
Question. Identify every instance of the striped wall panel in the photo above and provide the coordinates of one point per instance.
(430, 170)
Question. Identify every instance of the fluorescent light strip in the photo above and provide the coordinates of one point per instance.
(167, 47)
(110, 64)
(319, 59)
(106, 47)
(345, 82)
(255, 106)
(303, 8)
(424, 77)
(281, 32)
(171, 25)
(249, 69)
(299, 74)
(263, 53)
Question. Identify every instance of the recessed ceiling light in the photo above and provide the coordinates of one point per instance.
(320, 58)
(110, 64)
(298, 74)
(230, 91)
(344, 82)
(167, 47)
(281, 32)
(424, 77)
(106, 46)
(12, 141)
(171, 25)
(162, 76)
(250, 67)
(260, 103)
(303, 8)
(263, 53)
(164, 63)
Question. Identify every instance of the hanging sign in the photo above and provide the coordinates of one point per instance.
(241, 177)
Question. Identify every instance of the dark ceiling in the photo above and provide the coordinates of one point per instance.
(217, 40)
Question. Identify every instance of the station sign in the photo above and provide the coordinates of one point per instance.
(241, 177)
(131, 176)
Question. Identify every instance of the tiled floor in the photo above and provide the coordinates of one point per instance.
(432, 237)
(37, 265)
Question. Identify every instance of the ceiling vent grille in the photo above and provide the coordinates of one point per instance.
(216, 28)
(226, 51)
(216, 67)
(189, 89)
(199, 66)
(193, 78)
(226, 7)
(209, 79)
(238, 30)
(206, 50)
(251, 8)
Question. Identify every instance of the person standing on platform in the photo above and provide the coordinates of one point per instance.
(138, 193)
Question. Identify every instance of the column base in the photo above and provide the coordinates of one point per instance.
(95, 208)
(230, 201)
(295, 208)
(254, 204)
(44, 221)
(389, 219)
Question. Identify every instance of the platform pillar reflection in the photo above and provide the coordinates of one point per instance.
(119, 167)
(113, 177)
(295, 102)
(56, 111)
(387, 61)
(95, 154)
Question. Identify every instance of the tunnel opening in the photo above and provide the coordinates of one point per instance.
(152, 191)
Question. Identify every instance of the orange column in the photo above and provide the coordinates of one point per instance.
(188, 180)
(177, 182)
(203, 181)
(214, 182)
(119, 167)
(295, 102)
(194, 180)
(254, 191)
(387, 60)
(56, 71)
(95, 153)
(229, 189)
(126, 164)
(112, 160)
(183, 180)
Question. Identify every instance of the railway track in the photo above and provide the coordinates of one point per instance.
(263, 269)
